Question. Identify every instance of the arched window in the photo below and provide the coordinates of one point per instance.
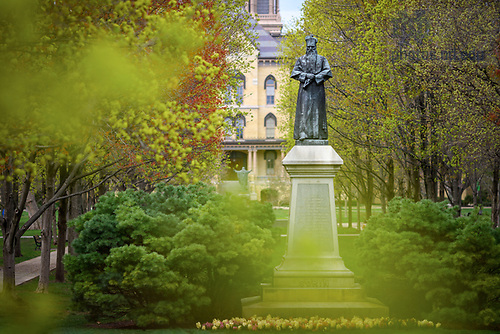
(241, 85)
(234, 95)
(239, 124)
(270, 157)
(270, 85)
(229, 127)
(270, 124)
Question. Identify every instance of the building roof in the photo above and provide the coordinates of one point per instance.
(267, 45)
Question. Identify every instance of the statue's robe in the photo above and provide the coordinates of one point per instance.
(310, 115)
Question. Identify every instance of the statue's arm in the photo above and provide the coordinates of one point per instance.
(298, 73)
(325, 72)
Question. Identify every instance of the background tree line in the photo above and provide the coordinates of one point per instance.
(413, 105)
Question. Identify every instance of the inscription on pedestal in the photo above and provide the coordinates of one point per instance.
(313, 234)
(314, 283)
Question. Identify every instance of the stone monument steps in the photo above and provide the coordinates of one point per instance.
(287, 279)
(277, 294)
(370, 308)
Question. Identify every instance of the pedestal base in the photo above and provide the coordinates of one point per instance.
(328, 295)
(312, 279)
(332, 310)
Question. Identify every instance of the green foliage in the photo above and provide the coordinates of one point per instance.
(38, 314)
(164, 258)
(79, 82)
(269, 195)
(395, 112)
(422, 261)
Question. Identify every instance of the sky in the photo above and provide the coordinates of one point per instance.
(290, 9)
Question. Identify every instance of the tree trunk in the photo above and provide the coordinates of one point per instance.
(46, 234)
(415, 184)
(495, 191)
(8, 251)
(369, 191)
(61, 239)
(475, 194)
(339, 223)
(62, 224)
(9, 268)
(358, 208)
(11, 215)
(456, 191)
(55, 235)
(383, 202)
(430, 181)
(17, 246)
(75, 210)
(349, 202)
(442, 184)
(389, 190)
(32, 208)
(346, 205)
(401, 188)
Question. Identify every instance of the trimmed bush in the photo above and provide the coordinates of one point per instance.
(269, 195)
(423, 262)
(171, 256)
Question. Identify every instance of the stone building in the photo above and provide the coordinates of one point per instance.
(256, 142)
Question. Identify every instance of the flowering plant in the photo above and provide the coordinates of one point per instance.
(313, 323)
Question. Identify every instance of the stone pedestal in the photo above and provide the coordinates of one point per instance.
(312, 279)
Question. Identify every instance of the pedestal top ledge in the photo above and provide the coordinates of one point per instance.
(312, 155)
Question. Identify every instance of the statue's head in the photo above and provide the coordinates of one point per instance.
(311, 43)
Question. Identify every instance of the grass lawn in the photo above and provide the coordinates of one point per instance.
(486, 211)
(376, 209)
(24, 219)
(27, 249)
(283, 213)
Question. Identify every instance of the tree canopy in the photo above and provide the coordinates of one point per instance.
(414, 97)
(108, 87)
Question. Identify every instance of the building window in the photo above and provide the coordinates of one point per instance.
(270, 124)
(270, 157)
(229, 127)
(240, 87)
(239, 124)
(262, 6)
(234, 95)
(235, 125)
(270, 85)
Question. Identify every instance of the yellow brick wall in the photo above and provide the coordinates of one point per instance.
(254, 101)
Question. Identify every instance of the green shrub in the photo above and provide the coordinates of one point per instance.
(269, 195)
(169, 257)
(423, 262)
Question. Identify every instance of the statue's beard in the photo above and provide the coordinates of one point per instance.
(311, 54)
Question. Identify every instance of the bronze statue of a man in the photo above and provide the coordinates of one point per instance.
(312, 70)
